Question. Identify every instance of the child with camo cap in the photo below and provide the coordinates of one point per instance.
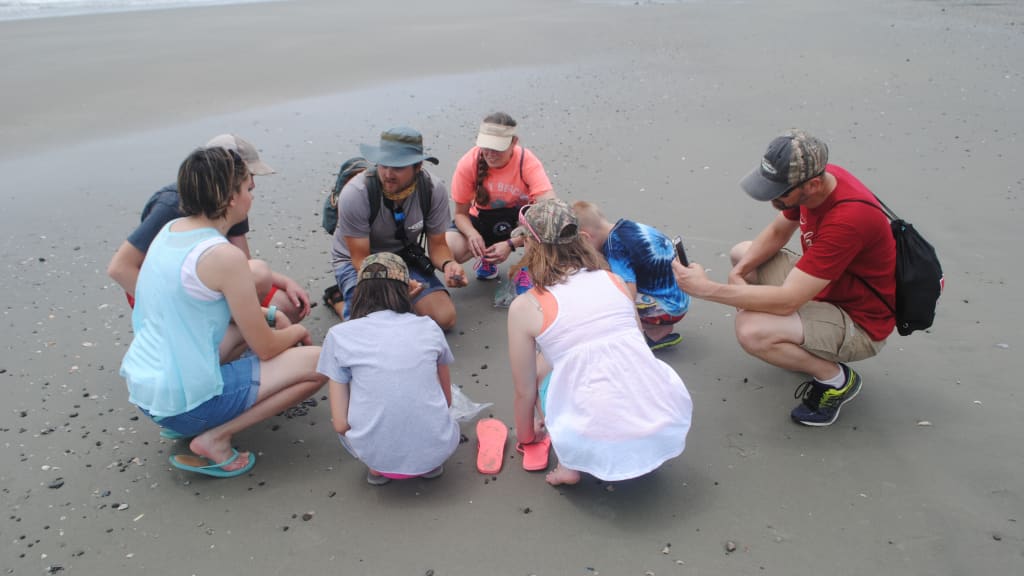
(389, 381)
(610, 408)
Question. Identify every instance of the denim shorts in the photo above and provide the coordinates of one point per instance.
(347, 278)
(241, 386)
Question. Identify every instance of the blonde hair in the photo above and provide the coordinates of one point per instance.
(588, 215)
(551, 264)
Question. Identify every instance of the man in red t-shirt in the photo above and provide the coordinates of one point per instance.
(814, 312)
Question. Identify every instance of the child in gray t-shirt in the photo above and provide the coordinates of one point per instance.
(390, 385)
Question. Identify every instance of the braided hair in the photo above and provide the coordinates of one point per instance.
(482, 197)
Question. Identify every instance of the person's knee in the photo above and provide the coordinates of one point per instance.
(737, 251)
(440, 308)
(751, 334)
(458, 245)
(445, 317)
(307, 358)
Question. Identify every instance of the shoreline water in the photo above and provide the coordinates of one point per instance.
(16, 10)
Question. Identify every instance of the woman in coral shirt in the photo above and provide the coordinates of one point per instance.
(491, 183)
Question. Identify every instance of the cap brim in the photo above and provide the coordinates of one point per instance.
(258, 168)
(499, 143)
(519, 231)
(375, 155)
(760, 188)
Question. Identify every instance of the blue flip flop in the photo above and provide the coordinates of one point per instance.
(200, 465)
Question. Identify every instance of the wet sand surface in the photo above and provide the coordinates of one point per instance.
(653, 110)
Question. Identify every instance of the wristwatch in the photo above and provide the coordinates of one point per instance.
(272, 316)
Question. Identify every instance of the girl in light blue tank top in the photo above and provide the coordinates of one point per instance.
(196, 313)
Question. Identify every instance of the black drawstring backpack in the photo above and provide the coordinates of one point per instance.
(919, 279)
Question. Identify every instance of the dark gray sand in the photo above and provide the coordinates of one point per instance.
(655, 110)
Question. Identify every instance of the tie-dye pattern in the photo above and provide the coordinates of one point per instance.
(643, 255)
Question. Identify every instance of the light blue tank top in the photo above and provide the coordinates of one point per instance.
(173, 362)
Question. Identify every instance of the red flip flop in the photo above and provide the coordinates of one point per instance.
(535, 454)
(491, 433)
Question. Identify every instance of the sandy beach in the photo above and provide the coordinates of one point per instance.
(653, 110)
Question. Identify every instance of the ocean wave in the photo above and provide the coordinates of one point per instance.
(25, 9)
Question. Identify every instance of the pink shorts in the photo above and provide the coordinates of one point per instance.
(400, 476)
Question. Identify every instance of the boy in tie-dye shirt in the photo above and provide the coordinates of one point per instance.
(642, 256)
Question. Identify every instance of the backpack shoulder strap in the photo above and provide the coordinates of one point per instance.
(373, 192)
(521, 159)
(875, 206)
(889, 215)
(884, 208)
(424, 187)
(426, 191)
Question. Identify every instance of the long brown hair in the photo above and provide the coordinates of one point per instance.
(375, 294)
(551, 264)
(482, 197)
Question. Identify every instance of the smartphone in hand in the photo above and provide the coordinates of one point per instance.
(680, 251)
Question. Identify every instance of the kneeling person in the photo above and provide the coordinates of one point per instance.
(389, 402)
(393, 207)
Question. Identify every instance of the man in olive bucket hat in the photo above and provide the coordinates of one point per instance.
(393, 192)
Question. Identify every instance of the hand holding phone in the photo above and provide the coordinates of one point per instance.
(680, 251)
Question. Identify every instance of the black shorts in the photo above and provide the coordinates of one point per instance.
(496, 225)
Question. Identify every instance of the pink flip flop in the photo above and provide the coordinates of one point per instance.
(491, 433)
(535, 454)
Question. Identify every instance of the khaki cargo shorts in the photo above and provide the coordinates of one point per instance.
(829, 332)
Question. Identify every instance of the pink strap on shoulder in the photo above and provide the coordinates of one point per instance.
(548, 306)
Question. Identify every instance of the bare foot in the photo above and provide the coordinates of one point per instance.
(218, 450)
(562, 475)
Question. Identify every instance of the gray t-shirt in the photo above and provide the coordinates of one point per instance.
(354, 219)
(400, 420)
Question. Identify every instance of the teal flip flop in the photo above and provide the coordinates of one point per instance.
(200, 465)
(171, 434)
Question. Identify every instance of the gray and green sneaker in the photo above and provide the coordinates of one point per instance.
(821, 403)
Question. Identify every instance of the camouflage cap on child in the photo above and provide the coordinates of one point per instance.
(384, 265)
(548, 222)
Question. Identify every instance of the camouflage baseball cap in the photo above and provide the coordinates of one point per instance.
(548, 222)
(384, 265)
(791, 159)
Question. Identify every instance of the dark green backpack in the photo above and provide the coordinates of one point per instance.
(348, 170)
(352, 167)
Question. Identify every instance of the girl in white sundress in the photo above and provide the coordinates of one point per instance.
(610, 407)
